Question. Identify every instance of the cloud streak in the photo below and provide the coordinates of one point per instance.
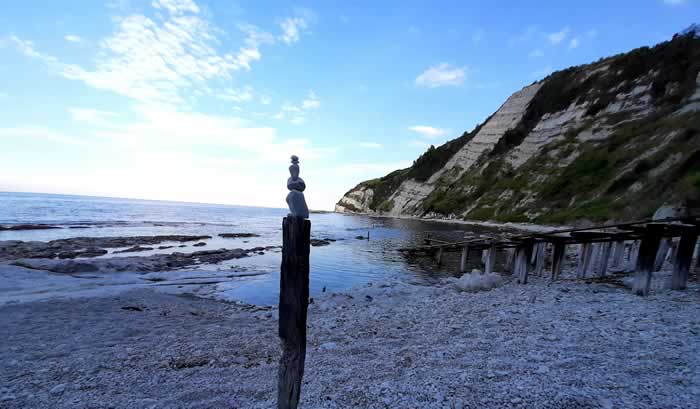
(441, 75)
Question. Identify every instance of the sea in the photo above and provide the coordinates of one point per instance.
(365, 248)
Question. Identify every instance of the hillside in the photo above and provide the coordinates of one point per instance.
(611, 140)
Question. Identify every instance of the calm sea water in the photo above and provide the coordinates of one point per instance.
(345, 263)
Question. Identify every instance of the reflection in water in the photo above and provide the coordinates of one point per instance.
(345, 263)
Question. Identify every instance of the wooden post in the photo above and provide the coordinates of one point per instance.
(539, 258)
(648, 250)
(463, 260)
(618, 254)
(684, 257)
(604, 256)
(522, 261)
(438, 258)
(584, 260)
(633, 256)
(510, 260)
(490, 259)
(293, 306)
(558, 258)
(664, 247)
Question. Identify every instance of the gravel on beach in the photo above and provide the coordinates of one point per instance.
(566, 344)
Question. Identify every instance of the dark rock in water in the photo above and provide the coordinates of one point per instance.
(152, 263)
(28, 227)
(78, 227)
(91, 252)
(134, 249)
(237, 235)
(182, 245)
(200, 244)
(167, 247)
(13, 250)
(320, 242)
(360, 237)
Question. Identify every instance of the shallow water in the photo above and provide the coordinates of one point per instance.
(345, 263)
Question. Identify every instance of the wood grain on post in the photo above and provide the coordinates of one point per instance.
(648, 250)
(684, 257)
(558, 258)
(293, 306)
(463, 259)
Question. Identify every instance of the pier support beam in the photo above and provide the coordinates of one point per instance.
(558, 258)
(664, 247)
(522, 261)
(618, 254)
(539, 258)
(438, 257)
(648, 250)
(633, 256)
(684, 257)
(604, 256)
(510, 260)
(584, 260)
(490, 259)
(463, 260)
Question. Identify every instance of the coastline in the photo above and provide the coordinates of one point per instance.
(376, 346)
(529, 227)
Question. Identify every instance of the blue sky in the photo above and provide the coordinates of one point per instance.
(206, 100)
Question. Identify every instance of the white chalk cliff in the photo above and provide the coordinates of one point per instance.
(614, 139)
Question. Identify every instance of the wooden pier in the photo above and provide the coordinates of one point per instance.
(640, 247)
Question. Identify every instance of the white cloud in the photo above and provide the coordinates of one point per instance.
(93, 116)
(536, 53)
(559, 36)
(265, 99)
(40, 133)
(428, 131)
(237, 95)
(311, 102)
(575, 42)
(160, 60)
(176, 7)
(290, 29)
(3, 95)
(441, 75)
(299, 120)
(73, 38)
(370, 145)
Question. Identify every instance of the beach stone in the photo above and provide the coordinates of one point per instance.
(328, 346)
(58, 389)
(296, 185)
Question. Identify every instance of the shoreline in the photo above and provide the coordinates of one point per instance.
(542, 345)
(529, 227)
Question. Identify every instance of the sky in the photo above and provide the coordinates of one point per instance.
(205, 100)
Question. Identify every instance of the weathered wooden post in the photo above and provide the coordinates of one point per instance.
(490, 259)
(604, 256)
(463, 259)
(684, 257)
(633, 256)
(618, 254)
(539, 258)
(647, 256)
(664, 247)
(558, 258)
(510, 260)
(294, 292)
(584, 260)
(522, 260)
(438, 257)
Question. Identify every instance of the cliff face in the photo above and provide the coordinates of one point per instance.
(615, 139)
